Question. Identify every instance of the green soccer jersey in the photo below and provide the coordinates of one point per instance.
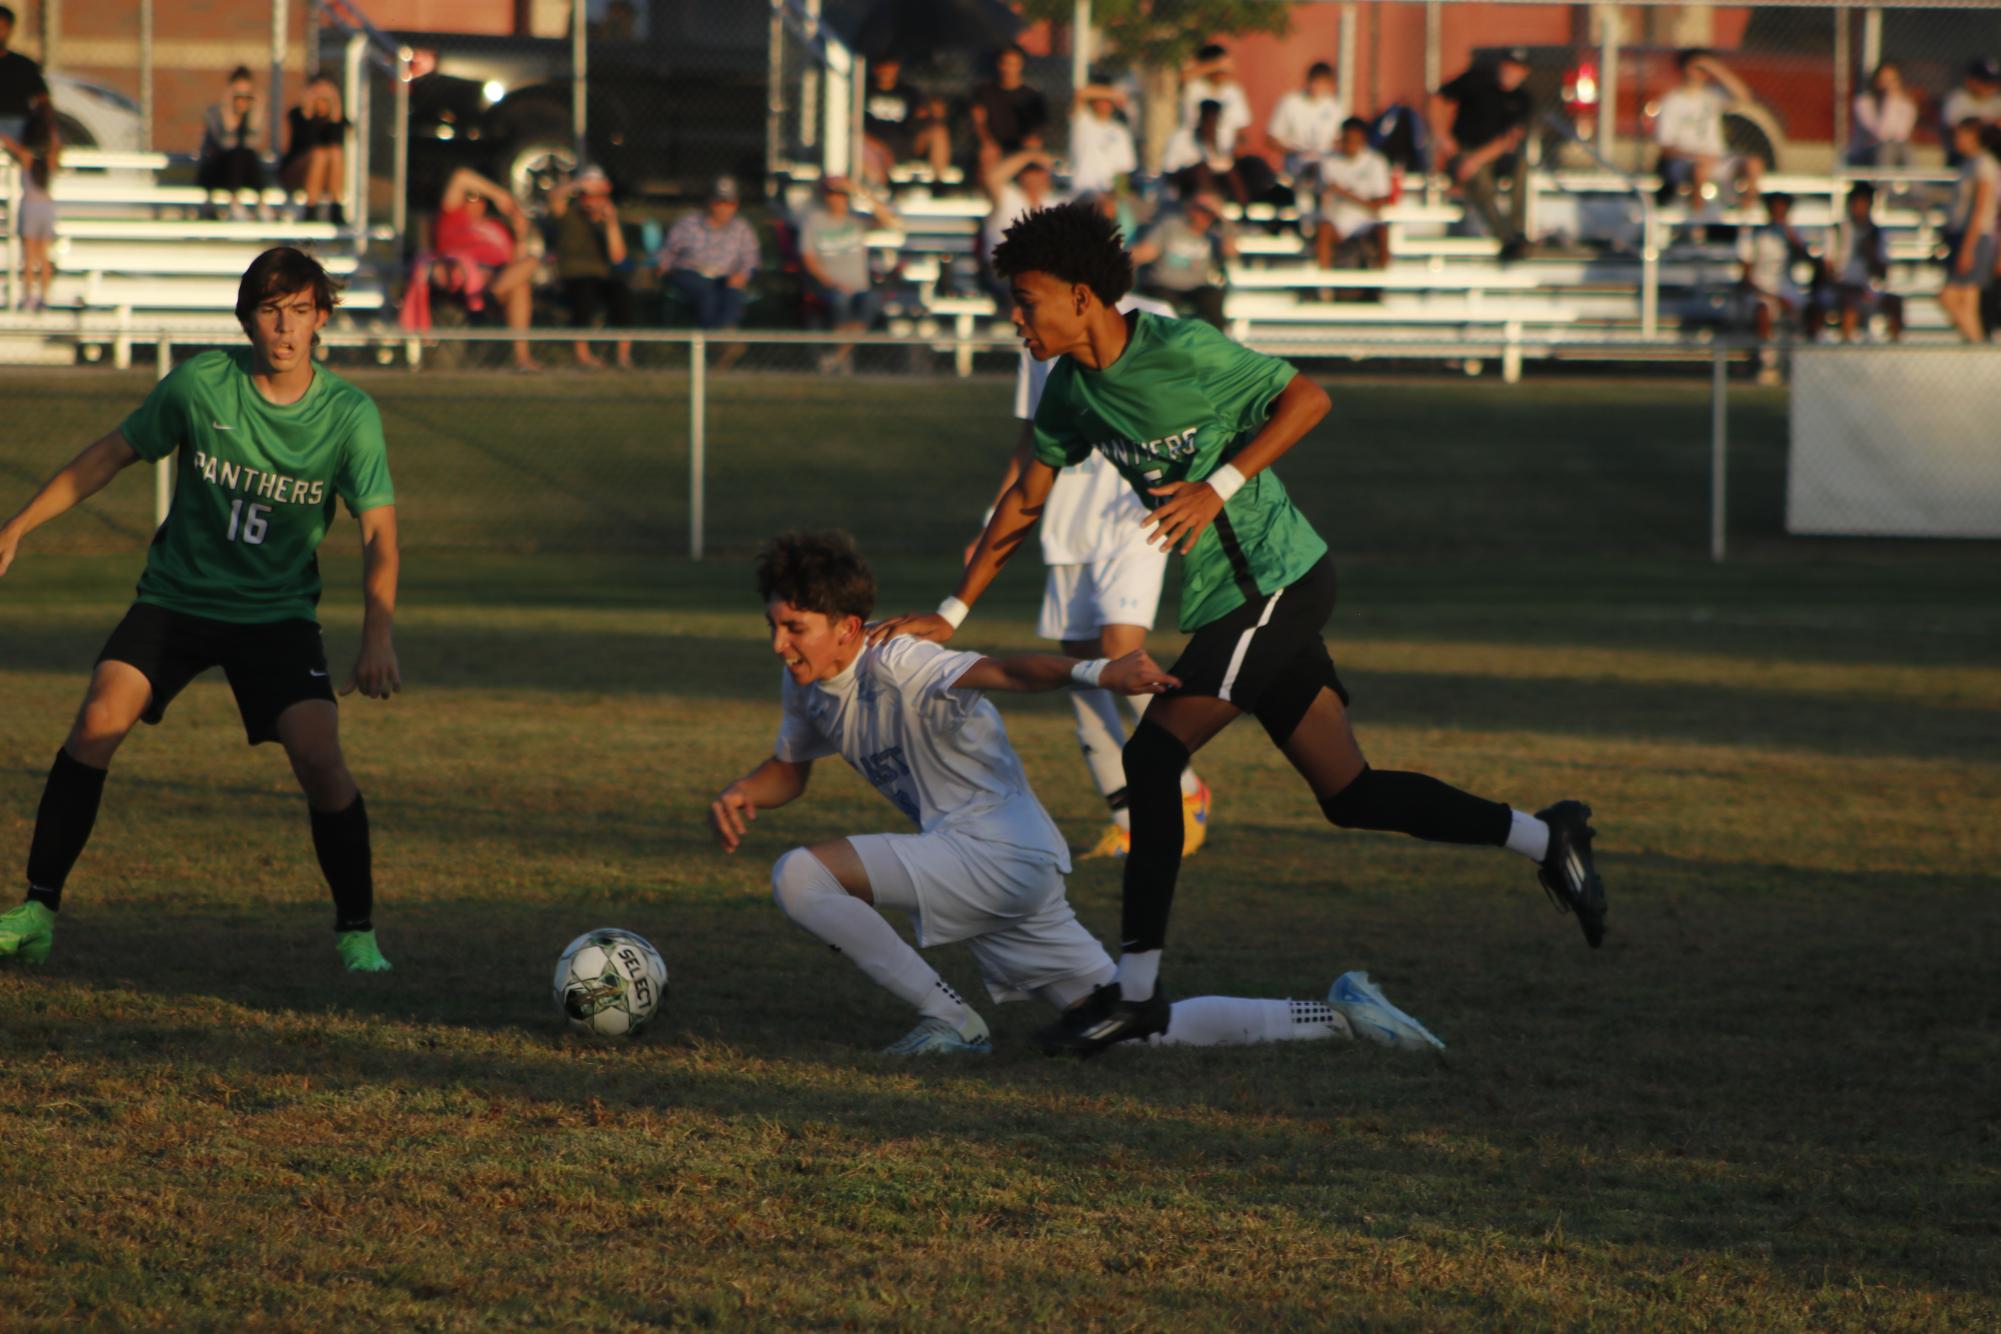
(1178, 404)
(254, 487)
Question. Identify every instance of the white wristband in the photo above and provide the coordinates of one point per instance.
(1087, 673)
(1226, 481)
(954, 612)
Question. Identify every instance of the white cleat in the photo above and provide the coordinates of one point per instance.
(1362, 1003)
(935, 1037)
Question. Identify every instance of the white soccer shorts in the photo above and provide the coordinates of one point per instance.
(1009, 910)
(1080, 600)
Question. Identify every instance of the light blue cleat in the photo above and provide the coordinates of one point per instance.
(935, 1037)
(1362, 1003)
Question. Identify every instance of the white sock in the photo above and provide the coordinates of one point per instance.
(1221, 1021)
(1529, 835)
(1101, 735)
(810, 895)
(1139, 970)
(1190, 784)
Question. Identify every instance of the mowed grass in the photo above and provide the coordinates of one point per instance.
(1769, 1102)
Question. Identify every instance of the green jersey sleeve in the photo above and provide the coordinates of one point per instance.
(1240, 384)
(159, 426)
(363, 480)
(1056, 440)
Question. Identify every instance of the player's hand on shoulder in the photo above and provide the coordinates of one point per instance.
(730, 815)
(1137, 674)
(918, 625)
(1184, 516)
(376, 673)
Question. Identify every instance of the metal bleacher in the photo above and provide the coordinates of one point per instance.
(134, 252)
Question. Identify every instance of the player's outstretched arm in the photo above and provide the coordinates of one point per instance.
(376, 673)
(1134, 674)
(81, 478)
(1020, 506)
(772, 783)
(1190, 507)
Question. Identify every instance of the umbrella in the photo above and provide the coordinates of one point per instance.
(914, 31)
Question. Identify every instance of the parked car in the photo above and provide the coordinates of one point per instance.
(90, 115)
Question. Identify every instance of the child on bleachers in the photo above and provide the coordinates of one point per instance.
(1858, 263)
(36, 151)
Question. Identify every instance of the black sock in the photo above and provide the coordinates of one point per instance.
(341, 840)
(1154, 761)
(62, 826)
(1418, 805)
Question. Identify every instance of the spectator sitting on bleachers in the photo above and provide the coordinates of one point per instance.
(1306, 124)
(1212, 77)
(1198, 158)
(1858, 264)
(1969, 228)
(1978, 97)
(467, 234)
(1008, 115)
(591, 260)
(315, 151)
(833, 248)
(36, 151)
(231, 133)
(1769, 253)
(899, 124)
(1016, 186)
(1181, 258)
(22, 88)
(710, 257)
(1884, 117)
(1482, 141)
(1689, 130)
(1355, 184)
(1101, 143)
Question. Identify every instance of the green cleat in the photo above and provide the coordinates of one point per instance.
(27, 932)
(358, 952)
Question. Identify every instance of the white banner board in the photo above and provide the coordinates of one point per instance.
(1895, 443)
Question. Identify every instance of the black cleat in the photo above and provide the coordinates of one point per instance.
(1105, 1017)
(1567, 872)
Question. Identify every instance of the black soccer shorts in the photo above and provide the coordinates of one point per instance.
(1267, 657)
(270, 667)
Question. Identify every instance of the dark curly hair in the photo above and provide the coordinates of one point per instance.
(1074, 242)
(817, 572)
(281, 271)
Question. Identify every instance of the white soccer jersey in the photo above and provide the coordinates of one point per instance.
(1092, 513)
(940, 754)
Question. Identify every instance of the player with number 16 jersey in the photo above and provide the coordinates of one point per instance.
(268, 443)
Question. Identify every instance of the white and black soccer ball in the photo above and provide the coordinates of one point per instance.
(609, 983)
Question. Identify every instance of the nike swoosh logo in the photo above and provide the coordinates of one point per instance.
(220, 427)
(311, 672)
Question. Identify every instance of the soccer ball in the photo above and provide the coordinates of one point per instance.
(610, 982)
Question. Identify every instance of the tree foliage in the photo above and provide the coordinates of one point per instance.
(1163, 33)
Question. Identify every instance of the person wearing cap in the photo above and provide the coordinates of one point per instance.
(1306, 124)
(1978, 97)
(1481, 144)
(710, 257)
(1016, 185)
(1181, 258)
(833, 249)
(1689, 130)
(1101, 143)
(591, 261)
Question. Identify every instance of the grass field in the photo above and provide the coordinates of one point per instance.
(1769, 1102)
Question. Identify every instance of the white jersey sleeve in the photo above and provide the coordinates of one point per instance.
(800, 740)
(926, 674)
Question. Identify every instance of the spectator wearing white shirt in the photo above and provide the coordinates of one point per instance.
(1689, 129)
(1306, 124)
(1884, 117)
(1969, 230)
(1978, 97)
(1858, 263)
(1355, 184)
(1769, 254)
(1211, 77)
(1101, 143)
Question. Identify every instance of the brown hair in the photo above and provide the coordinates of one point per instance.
(280, 271)
(817, 572)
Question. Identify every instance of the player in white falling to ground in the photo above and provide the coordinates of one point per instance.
(986, 866)
(1099, 599)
